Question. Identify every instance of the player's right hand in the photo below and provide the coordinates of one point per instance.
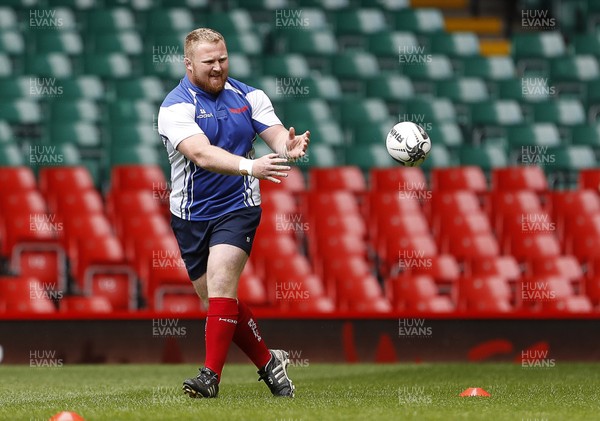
(269, 167)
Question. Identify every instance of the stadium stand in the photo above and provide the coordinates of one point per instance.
(508, 196)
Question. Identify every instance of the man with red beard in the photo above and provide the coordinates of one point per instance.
(208, 125)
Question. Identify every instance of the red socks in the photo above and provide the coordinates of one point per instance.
(221, 323)
(248, 338)
(228, 319)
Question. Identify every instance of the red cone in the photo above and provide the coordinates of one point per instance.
(66, 416)
(474, 391)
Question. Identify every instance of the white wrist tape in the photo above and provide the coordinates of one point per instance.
(246, 166)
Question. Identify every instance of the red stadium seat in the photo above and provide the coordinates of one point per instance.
(453, 227)
(152, 253)
(505, 267)
(179, 302)
(566, 267)
(382, 207)
(320, 204)
(396, 179)
(122, 204)
(16, 179)
(252, 291)
(417, 293)
(566, 205)
(534, 246)
(519, 178)
(54, 181)
(319, 304)
(485, 294)
(69, 205)
(24, 295)
(586, 248)
(460, 202)
(590, 179)
(444, 270)
(138, 177)
(397, 226)
(349, 178)
(84, 227)
(518, 225)
(102, 271)
(553, 293)
(30, 232)
(471, 178)
(170, 277)
(361, 294)
(469, 248)
(279, 202)
(139, 226)
(48, 265)
(82, 304)
(293, 183)
(267, 248)
(339, 224)
(328, 247)
(509, 203)
(403, 253)
(336, 270)
(592, 290)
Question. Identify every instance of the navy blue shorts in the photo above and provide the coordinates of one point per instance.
(236, 228)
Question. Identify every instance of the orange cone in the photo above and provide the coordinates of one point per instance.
(474, 391)
(66, 416)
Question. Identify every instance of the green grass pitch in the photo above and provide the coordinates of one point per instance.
(367, 392)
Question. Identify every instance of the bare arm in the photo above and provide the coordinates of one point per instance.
(285, 143)
(197, 148)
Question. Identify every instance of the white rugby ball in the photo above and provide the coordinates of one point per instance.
(408, 144)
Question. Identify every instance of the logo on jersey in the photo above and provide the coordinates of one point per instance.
(204, 114)
(239, 110)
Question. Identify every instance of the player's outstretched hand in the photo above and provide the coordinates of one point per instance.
(269, 167)
(296, 145)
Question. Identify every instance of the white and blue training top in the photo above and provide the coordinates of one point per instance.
(230, 120)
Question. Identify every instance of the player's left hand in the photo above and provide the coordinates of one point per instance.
(296, 145)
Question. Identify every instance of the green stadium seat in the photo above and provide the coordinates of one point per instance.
(572, 158)
(265, 4)
(329, 5)
(432, 67)
(307, 112)
(310, 18)
(6, 66)
(538, 45)
(587, 44)
(143, 134)
(10, 155)
(575, 68)
(132, 111)
(587, 135)
(496, 113)
(369, 156)
(430, 110)
(139, 154)
(366, 111)
(15, 88)
(456, 44)
(231, 22)
(63, 111)
(563, 112)
(313, 42)
(189, 4)
(533, 134)
(439, 157)
(286, 65)
(463, 90)
(171, 20)
(390, 87)
(56, 65)
(592, 89)
(393, 5)
(449, 134)
(82, 87)
(324, 87)
(74, 4)
(393, 43)
(12, 42)
(320, 155)
(487, 157)
(374, 133)
(148, 87)
(526, 90)
(489, 68)
(53, 155)
(51, 19)
(247, 42)
(82, 134)
(326, 132)
(420, 20)
(23, 111)
(356, 65)
(67, 42)
(6, 133)
(359, 21)
(103, 21)
(132, 4)
(109, 66)
(128, 42)
(8, 18)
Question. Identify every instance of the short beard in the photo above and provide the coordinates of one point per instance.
(207, 87)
